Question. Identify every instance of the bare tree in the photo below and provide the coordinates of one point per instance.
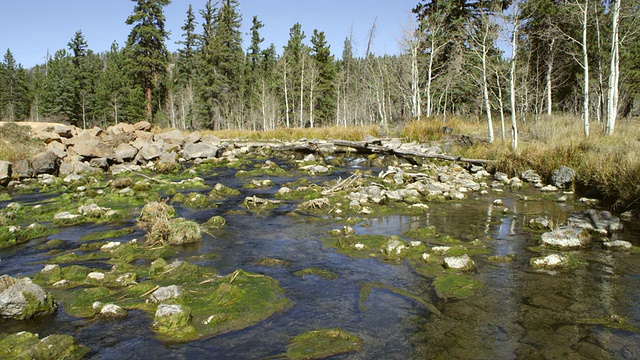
(614, 74)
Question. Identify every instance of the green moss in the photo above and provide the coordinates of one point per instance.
(176, 326)
(5, 197)
(271, 262)
(183, 231)
(25, 345)
(215, 222)
(324, 274)
(365, 290)
(7, 238)
(454, 286)
(36, 308)
(612, 322)
(501, 259)
(320, 344)
(107, 234)
(220, 192)
(194, 200)
(421, 233)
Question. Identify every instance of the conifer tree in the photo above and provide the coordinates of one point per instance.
(147, 54)
(326, 88)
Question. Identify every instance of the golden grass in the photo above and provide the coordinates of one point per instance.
(353, 133)
(608, 164)
(16, 143)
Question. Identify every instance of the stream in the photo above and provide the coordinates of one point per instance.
(519, 312)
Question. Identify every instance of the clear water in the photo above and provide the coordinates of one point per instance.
(519, 313)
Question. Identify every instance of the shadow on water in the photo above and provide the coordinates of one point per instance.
(519, 313)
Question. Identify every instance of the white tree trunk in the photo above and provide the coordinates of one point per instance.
(485, 90)
(585, 60)
(512, 83)
(614, 74)
(549, 82)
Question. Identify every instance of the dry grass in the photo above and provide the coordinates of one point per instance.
(608, 164)
(16, 143)
(352, 133)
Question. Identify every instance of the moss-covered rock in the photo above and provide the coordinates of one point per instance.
(321, 273)
(183, 231)
(454, 286)
(22, 299)
(25, 345)
(320, 344)
(173, 321)
(215, 222)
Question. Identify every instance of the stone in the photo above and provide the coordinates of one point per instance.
(563, 177)
(502, 177)
(172, 137)
(541, 223)
(112, 310)
(617, 245)
(463, 262)
(193, 138)
(171, 317)
(94, 148)
(549, 188)
(211, 139)
(22, 169)
(95, 275)
(125, 152)
(45, 163)
(91, 210)
(566, 238)
(551, 261)
(142, 126)
(165, 293)
(531, 176)
(394, 246)
(200, 150)
(99, 163)
(65, 215)
(23, 299)
(5, 172)
(149, 152)
(110, 246)
(440, 249)
(600, 221)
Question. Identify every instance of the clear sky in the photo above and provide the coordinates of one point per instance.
(31, 27)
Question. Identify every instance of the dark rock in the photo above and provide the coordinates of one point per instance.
(563, 177)
(594, 220)
(45, 163)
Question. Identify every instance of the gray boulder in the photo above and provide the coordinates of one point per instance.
(600, 221)
(172, 137)
(5, 172)
(125, 152)
(552, 261)
(94, 148)
(142, 126)
(22, 299)
(165, 293)
(22, 169)
(193, 138)
(531, 176)
(45, 163)
(617, 245)
(210, 139)
(463, 262)
(200, 150)
(566, 238)
(149, 152)
(563, 177)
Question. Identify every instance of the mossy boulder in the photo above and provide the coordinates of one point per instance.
(215, 222)
(321, 273)
(26, 345)
(174, 321)
(320, 344)
(183, 231)
(22, 299)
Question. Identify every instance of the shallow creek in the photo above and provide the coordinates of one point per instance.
(517, 313)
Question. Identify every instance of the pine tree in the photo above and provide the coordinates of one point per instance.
(325, 104)
(146, 52)
(186, 63)
(14, 94)
(294, 57)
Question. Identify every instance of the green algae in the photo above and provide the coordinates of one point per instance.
(455, 286)
(271, 262)
(612, 322)
(7, 237)
(26, 345)
(321, 273)
(365, 290)
(215, 222)
(5, 197)
(421, 233)
(320, 344)
(221, 191)
(107, 234)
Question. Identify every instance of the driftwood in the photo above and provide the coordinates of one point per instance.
(362, 147)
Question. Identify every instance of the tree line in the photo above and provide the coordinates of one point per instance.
(512, 60)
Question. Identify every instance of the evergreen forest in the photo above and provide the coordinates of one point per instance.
(492, 60)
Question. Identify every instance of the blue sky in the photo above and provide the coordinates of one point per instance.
(31, 27)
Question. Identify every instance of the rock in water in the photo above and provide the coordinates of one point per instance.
(566, 238)
(563, 177)
(600, 221)
(22, 299)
